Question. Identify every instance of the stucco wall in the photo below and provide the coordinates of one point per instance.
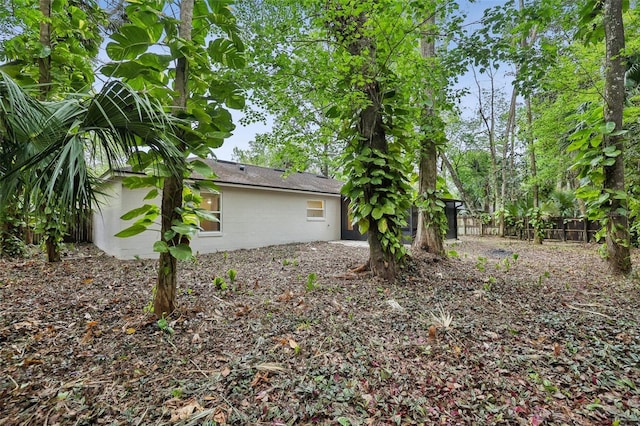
(250, 218)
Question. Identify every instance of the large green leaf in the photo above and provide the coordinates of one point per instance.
(181, 252)
(131, 231)
(129, 42)
(138, 212)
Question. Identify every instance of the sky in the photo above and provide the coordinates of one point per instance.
(242, 135)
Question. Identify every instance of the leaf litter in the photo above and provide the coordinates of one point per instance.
(501, 332)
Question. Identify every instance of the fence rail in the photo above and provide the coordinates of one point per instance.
(80, 231)
(558, 228)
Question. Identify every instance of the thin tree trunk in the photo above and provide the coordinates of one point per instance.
(44, 82)
(44, 64)
(617, 238)
(457, 182)
(532, 154)
(165, 297)
(505, 151)
(428, 235)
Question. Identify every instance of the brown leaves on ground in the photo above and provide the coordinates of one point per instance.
(502, 332)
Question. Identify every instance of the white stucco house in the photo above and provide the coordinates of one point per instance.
(256, 206)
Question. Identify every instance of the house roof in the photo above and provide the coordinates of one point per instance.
(256, 176)
(228, 172)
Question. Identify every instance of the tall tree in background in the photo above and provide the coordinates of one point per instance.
(619, 256)
(431, 219)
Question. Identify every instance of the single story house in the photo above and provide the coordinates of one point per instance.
(256, 207)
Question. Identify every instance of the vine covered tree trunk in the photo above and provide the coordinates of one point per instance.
(164, 302)
(382, 263)
(617, 238)
(428, 234)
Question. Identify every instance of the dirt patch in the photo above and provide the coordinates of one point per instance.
(501, 332)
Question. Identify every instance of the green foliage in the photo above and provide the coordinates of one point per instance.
(76, 36)
(481, 263)
(379, 195)
(312, 282)
(433, 208)
(232, 274)
(164, 326)
(220, 284)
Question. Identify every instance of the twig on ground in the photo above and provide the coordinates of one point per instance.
(199, 369)
(588, 311)
(142, 417)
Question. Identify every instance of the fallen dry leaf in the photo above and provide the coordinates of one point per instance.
(184, 412)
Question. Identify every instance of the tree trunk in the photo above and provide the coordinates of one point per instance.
(44, 64)
(53, 252)
(617, 239)
(511, 119)
(428, 236)
(458, 183)
(165, 297)
(44, 82)
(532, 154)
(382, 263)
(164, 302)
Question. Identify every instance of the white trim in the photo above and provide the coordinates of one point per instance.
(316, 209)
(214, 233)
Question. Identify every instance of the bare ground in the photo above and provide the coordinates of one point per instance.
(539, 335)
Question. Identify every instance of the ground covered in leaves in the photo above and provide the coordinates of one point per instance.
(501, 332)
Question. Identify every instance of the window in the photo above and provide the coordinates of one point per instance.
(211, 202)
(315, 210)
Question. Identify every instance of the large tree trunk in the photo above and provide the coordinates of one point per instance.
(165, 297)
(617, 224)
(428, 235)
(382, 263)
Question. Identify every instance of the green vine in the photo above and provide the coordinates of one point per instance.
(378, 191)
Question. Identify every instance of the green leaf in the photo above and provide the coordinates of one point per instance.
(131, 231)
(377, 213)
(129, 42)
(363, 225)
(181, 252)
(137, 212)
(151, 194)
(183, 228)
(203, 168)
(607, 128)
(160, 247)
(206, 215)
(383, 226)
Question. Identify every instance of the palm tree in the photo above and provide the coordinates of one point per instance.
(46, 148)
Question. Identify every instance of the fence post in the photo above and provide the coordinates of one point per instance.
(585, 222)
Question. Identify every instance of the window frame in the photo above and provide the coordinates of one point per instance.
(316, 209)
(219, 212)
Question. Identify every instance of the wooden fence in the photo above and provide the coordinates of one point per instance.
(80, 231)
(558, 228)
